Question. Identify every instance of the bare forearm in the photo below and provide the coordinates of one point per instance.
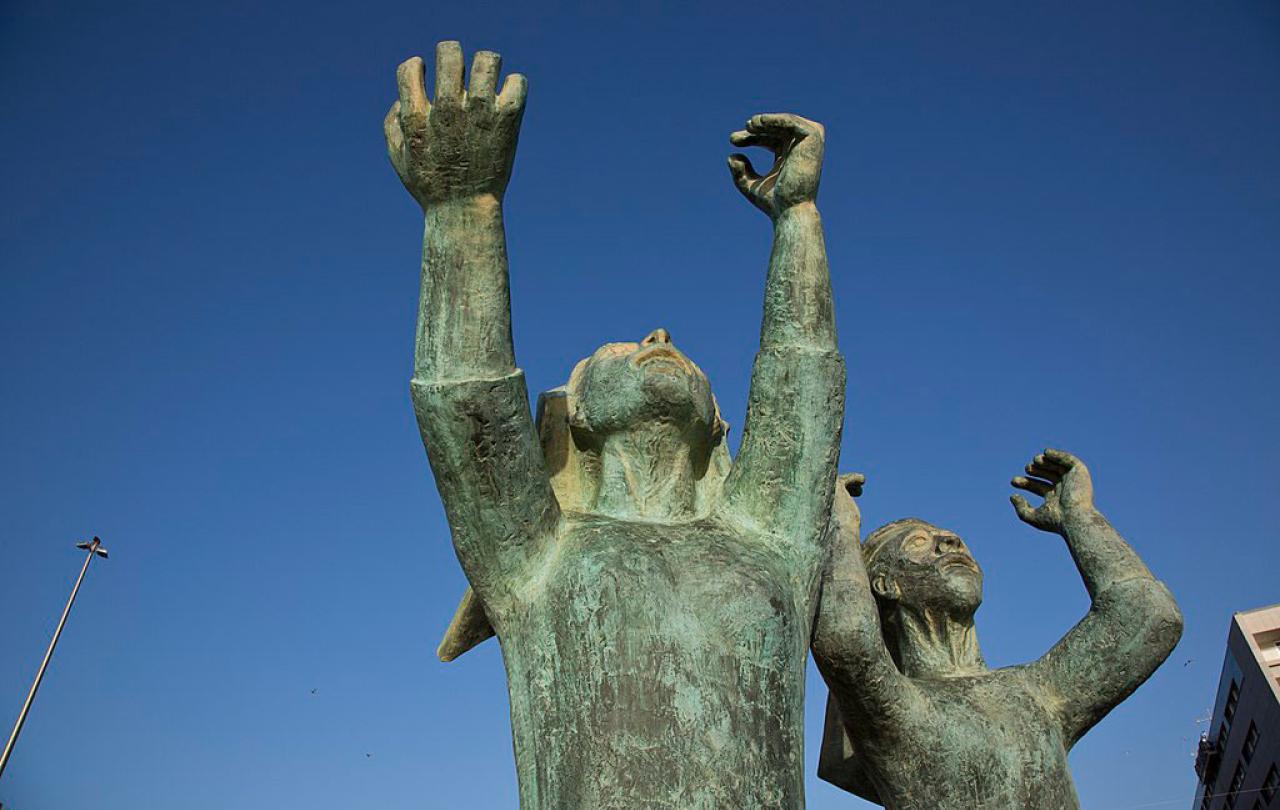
(1133, 622)
(464, 312)
(1100, 553)
(797, 306)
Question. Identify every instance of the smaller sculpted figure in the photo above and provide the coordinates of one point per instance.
(915, 719)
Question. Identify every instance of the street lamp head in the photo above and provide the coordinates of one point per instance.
(95, 546)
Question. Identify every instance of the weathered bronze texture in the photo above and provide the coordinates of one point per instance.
(916, 720)
(653, 598)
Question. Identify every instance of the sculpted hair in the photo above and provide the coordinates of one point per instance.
(876, 542)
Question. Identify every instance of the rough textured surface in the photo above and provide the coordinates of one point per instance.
(915, 720)
(653, 600)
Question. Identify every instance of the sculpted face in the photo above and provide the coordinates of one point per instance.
(925, 567)
(624, 385)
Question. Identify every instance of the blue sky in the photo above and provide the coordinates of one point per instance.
(1048, 224)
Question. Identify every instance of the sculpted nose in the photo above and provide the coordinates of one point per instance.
(657, 336)
(948, 543)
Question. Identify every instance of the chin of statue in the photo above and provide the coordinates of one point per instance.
(657, 397)
(963, 589)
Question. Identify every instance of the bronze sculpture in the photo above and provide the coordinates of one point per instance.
(916, 720)
(654, 627)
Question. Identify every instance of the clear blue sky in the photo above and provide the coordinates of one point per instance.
(1049, 224)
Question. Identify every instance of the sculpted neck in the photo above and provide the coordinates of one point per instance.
(932, 644)
(647, 473)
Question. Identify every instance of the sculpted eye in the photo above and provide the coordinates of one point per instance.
(916, 543)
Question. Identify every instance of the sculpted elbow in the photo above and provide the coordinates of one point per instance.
(1143, 611)
(1164, 617)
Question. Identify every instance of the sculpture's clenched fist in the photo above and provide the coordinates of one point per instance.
(462, 143)
(797, 145)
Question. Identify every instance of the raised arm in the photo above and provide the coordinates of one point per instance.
(454, 155)
(848, 645)
(1133, 623)
(785, 471)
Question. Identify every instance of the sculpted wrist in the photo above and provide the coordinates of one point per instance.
(1082, 518)
(799, 210)
(463, 209)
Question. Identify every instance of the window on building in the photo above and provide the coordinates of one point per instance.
(1270, 784)
(1233, 697)
(1269, 645)
(1250, 742)
(1237, 781)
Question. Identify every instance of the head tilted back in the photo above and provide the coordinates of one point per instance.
(876, 555)
(574, 466)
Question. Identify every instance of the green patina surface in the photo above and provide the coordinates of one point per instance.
(653, 598)
(915, 719)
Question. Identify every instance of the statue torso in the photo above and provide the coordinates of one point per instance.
(984, 742)
(660, 666)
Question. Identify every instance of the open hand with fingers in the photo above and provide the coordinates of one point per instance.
(1066, 486)
(797, 144)
(462, 143)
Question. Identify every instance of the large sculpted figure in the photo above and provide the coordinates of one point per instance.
(653, 599)
(916, 720)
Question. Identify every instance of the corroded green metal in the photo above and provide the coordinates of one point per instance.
(653, 599)
(916, 720)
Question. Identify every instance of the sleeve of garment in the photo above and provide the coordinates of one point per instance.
(484, 452)
(784, 475)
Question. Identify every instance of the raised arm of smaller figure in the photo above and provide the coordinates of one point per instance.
(1133, 623)
(785, 471)
(848, 645)
(454, 155)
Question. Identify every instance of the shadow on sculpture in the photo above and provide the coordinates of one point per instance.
(915, 719)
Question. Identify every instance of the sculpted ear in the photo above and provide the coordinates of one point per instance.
(719, 428)
(885, 588)
(574, 413)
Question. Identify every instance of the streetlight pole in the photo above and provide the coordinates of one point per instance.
(95, 549)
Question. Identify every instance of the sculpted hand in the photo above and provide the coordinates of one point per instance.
(846, 509)
(1064, 483)
(797, 145)
(853, 483)
(463, 143)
